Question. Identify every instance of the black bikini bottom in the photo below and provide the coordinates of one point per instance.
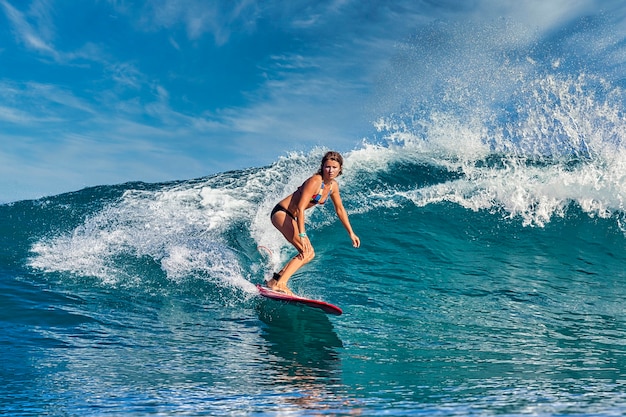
(278, 208)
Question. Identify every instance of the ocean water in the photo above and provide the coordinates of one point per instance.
(490, 280)
(495, 287)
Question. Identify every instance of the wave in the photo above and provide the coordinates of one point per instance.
(557, 144)
(210, 229)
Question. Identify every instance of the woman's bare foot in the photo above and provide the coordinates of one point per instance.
(274, 285)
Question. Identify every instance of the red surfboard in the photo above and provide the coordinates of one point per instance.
(294, 299)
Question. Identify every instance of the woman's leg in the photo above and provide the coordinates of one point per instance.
(287, 226)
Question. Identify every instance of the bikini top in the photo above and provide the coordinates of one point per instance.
(315, 199)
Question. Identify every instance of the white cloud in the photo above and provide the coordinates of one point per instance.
(218, 18)
(17, 116)
(33, 103)
(26, 33)
(541, 14)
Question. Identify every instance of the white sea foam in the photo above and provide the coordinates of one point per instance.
(563, 146)
(179, 227)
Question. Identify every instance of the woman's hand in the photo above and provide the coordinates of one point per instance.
(306, 244)
(356, 242)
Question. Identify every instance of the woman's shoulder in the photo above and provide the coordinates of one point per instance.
(315, 178)
(313, 181)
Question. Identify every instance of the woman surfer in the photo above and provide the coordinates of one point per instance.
(288, 216)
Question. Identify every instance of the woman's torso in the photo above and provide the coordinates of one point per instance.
(322, 195)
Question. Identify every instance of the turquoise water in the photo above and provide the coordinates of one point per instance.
(139, 299)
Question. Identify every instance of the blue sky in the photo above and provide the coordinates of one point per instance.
(97, 92)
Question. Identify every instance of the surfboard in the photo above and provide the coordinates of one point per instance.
(294, 299)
